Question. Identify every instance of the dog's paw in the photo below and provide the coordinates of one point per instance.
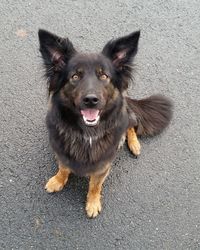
(54, 185)
(135, 147)
(93, 208)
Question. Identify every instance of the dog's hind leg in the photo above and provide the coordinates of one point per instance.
(93, 205)
(133, 143)
(58, 181)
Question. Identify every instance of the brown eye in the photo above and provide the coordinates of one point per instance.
(103, 77)
(75, 77)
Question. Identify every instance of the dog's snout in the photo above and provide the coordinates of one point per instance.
(90, 100)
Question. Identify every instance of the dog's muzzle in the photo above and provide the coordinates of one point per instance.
(90, 116)
(89, 111)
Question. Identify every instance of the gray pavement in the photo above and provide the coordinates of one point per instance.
(152, 202)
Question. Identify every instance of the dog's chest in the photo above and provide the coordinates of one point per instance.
(86, 150)
(90, 148)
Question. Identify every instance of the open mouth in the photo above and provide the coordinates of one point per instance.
(90, 116)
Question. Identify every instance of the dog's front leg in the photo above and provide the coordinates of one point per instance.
(58, 181)
(93, 205)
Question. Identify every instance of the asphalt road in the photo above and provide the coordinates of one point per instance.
(152, 202)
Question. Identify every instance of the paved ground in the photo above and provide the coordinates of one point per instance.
(152, 202)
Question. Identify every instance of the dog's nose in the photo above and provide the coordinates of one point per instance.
(90, 100)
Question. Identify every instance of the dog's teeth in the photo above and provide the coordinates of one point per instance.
(91, 123)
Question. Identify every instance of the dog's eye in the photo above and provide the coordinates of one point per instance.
(103, 77)
(75, 77)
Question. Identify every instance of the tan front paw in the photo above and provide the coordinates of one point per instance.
(54, 185)
(135, 147)
(93, 207)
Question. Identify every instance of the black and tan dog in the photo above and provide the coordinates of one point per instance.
(89, 114)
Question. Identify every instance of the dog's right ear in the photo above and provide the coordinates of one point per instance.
(56, 51)
(121, 51)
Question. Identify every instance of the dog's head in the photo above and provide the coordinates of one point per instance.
(89, 84)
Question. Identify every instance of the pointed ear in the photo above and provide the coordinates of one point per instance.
(122, 50)
(56, 51)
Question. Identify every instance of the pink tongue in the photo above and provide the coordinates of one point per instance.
(90, 114)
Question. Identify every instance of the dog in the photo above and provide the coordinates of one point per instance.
(89, 113)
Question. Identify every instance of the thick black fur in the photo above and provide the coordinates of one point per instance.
(85, 149)
(71, 142)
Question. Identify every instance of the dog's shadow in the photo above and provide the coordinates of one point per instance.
(77, 187)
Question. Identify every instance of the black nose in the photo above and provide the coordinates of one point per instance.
(90, 100)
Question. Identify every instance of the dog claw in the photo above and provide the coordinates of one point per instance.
(135, 148)
(93, 208)
(54, 185)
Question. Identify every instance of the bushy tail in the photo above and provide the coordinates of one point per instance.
(153, 114)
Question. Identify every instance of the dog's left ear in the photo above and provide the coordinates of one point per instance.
(122, 50)
(56, 51)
